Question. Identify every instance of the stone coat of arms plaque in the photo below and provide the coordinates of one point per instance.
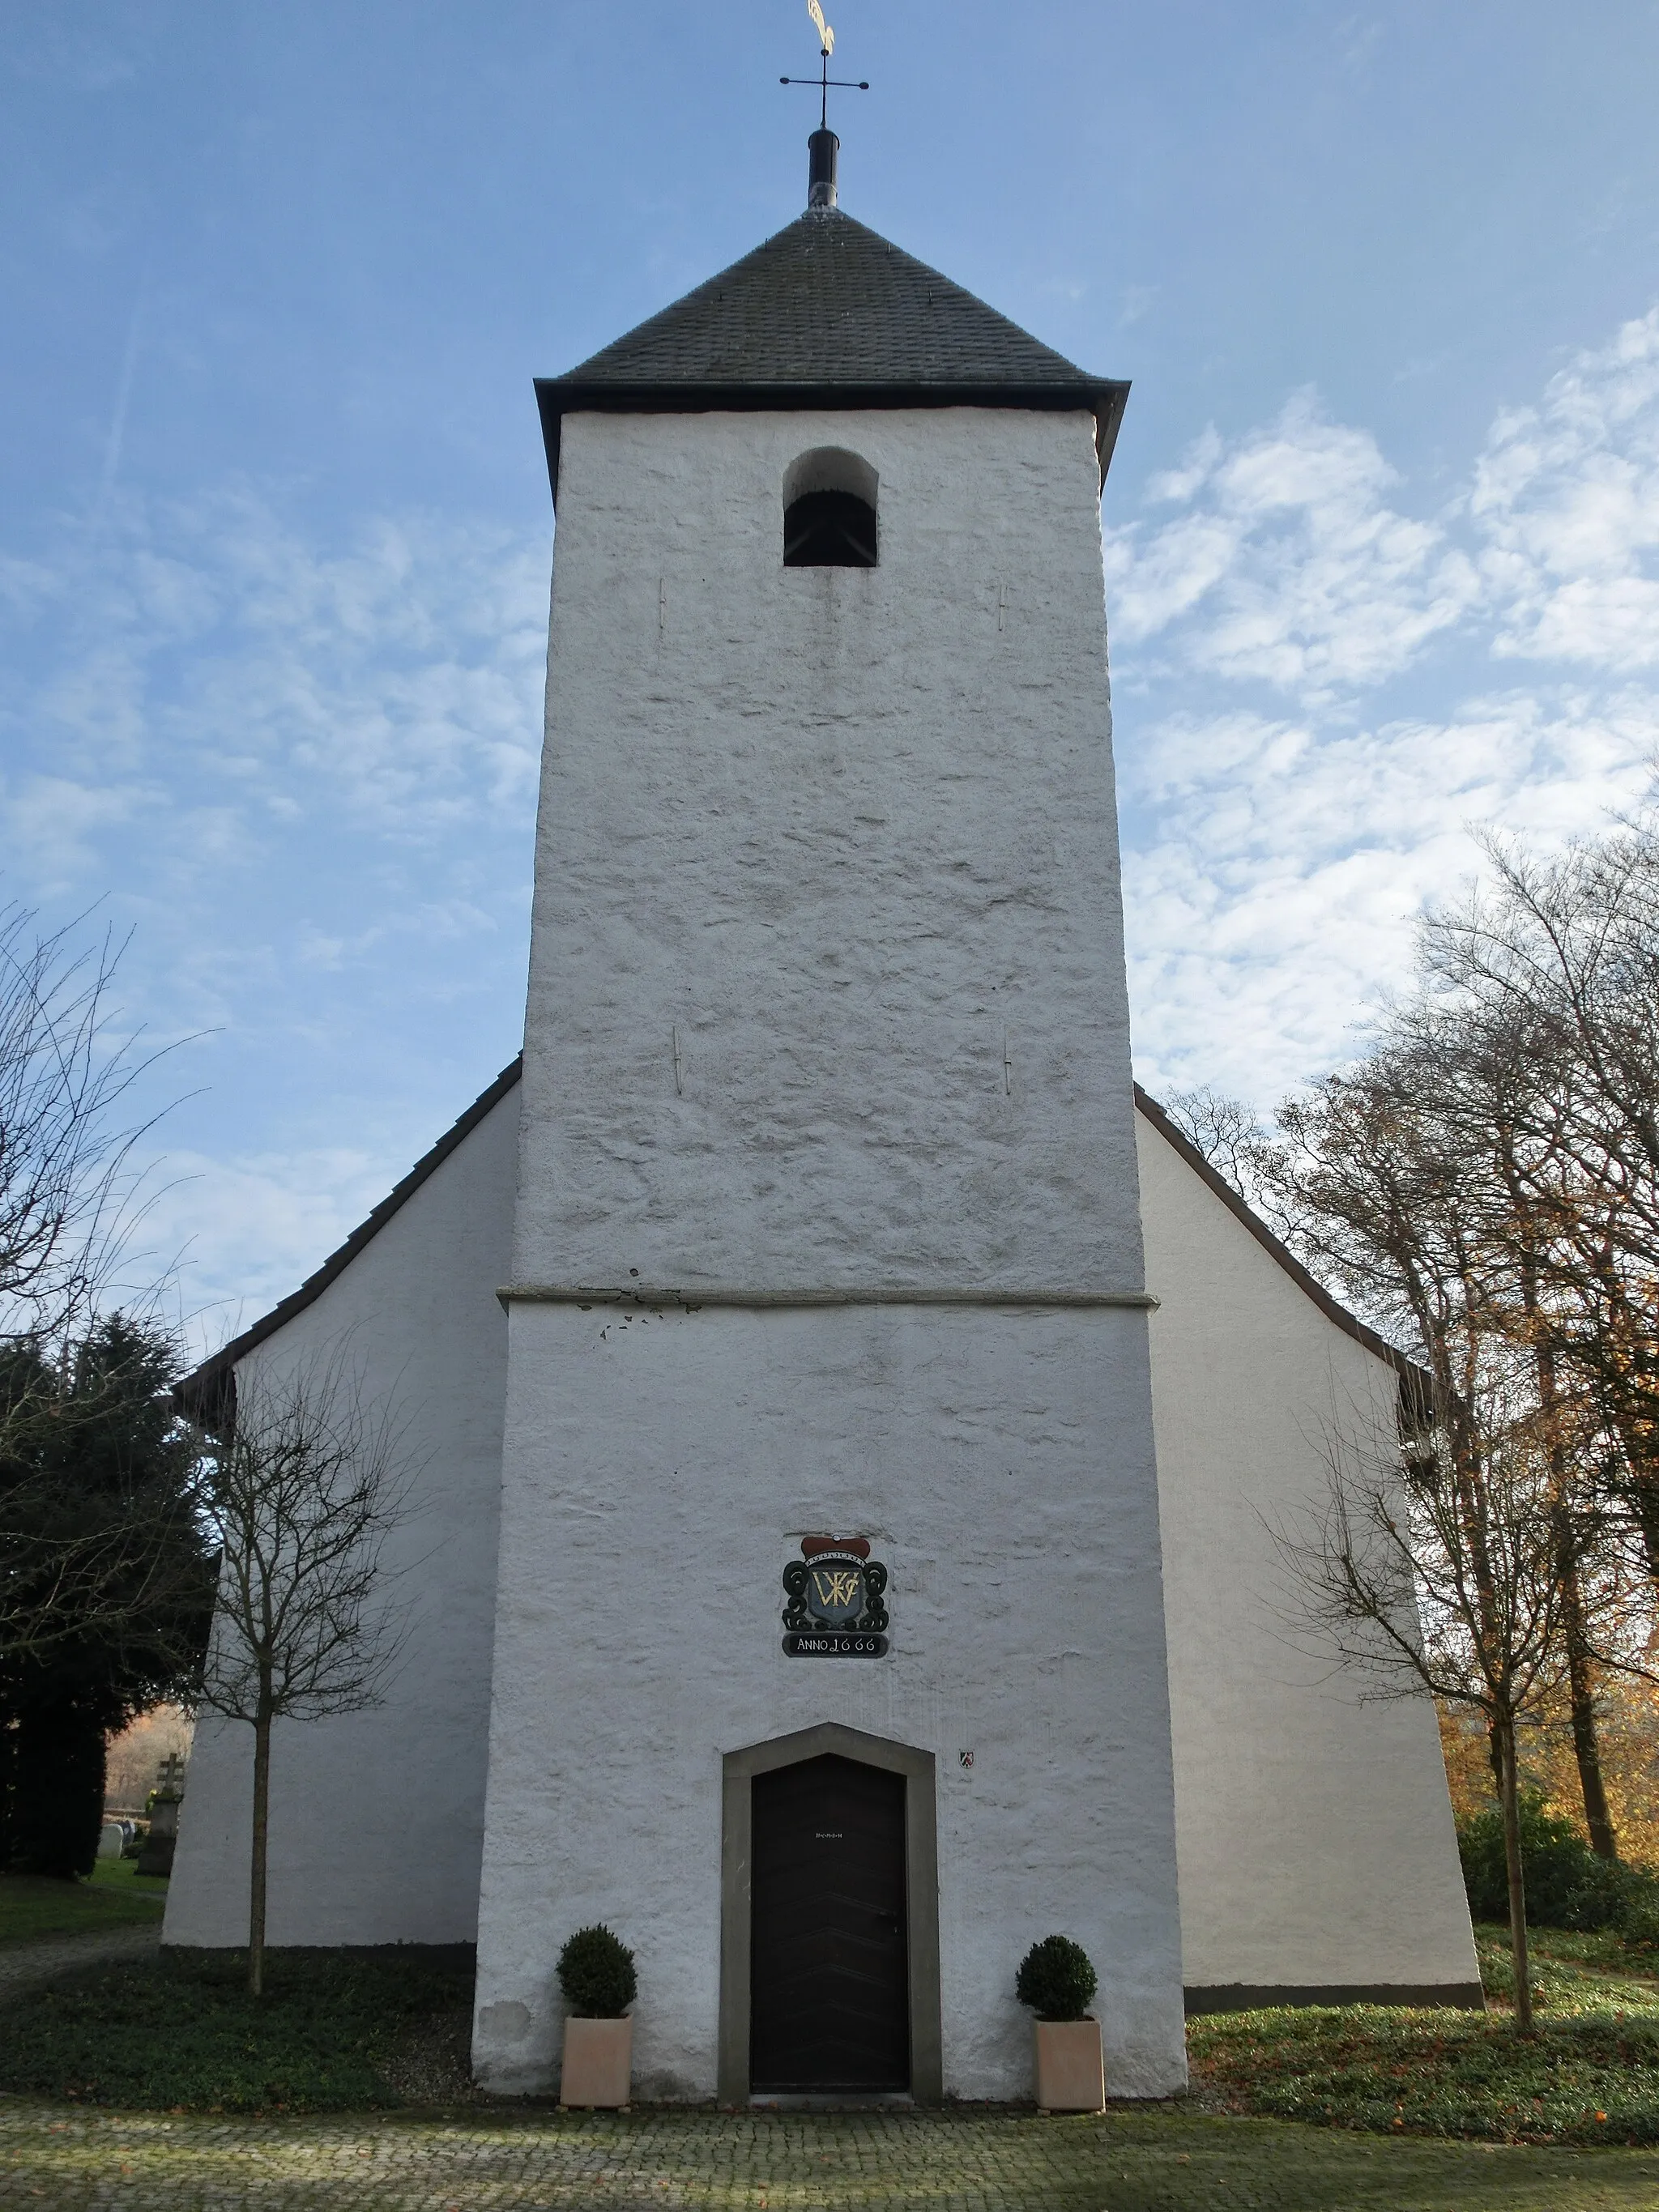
(836, 1592)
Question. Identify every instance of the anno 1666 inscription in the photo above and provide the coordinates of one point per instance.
(835, 1591)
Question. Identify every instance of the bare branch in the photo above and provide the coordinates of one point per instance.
(65, 1159)
(301, 1497)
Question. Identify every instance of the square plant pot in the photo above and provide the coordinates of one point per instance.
(599, 2062)
(1071, 2075)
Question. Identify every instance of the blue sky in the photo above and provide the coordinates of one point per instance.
(1382, 530)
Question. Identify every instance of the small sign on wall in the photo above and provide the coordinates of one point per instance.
(836, 1592)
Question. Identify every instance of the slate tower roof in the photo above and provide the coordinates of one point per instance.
(827, 314)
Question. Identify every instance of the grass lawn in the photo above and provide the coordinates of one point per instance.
(115, 1897)
(1589, 2076)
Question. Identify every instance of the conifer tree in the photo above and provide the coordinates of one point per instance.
(99, 1466)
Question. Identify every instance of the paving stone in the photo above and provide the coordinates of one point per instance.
(968, 2160)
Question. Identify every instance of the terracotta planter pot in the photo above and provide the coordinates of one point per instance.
(599, 2062)
(1071, 2076)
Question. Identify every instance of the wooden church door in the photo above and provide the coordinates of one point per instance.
(829, 2006)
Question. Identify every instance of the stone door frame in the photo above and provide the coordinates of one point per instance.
(922, 1894)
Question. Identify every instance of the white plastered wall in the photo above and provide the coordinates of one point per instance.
(376, 1817)
(843, 844)
(667, 1462)
(827, 991)
(1314, 1830)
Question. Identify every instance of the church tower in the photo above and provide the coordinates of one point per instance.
(829, 1661)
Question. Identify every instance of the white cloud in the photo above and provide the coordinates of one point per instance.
(1274, 891)
(1290, 563)
(1276, 860)
(56, 823)
(1288, 566)
(396, 682)
(305, 773)
(1566, 499)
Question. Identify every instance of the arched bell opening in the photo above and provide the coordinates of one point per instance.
(829, 511)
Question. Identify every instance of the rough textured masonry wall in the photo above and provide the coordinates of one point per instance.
(377, 1817)
(1315, 1831)
(827, 990)
(667, 1462)
(848, 839)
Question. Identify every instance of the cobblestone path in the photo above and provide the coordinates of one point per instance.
(971, 2161)
(44, 1958)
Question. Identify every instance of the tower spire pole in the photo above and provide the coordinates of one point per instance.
(824, 146)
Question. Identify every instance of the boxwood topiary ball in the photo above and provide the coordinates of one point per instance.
(596, 1972)
(1056, 1979)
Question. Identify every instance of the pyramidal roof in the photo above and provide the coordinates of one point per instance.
(827, 314)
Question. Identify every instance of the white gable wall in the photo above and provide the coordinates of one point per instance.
(1314, 1834)
(1314, 1831)
(377, 1817)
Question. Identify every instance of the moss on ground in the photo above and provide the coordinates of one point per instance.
(180, 2031)
(340, 2033)
(1589, 2076)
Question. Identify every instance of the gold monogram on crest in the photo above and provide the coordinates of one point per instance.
(835, 1593)
(835, 1590)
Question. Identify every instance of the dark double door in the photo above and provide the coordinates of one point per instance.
(829, 2002)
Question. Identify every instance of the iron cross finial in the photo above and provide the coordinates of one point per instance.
(826, 47)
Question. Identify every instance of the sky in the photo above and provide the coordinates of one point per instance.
(1382, 531)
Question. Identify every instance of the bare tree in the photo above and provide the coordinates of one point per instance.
(1231, 1136)
(1433, 1571)
(1484, 1185)
(64, 1156)
(1392, 1205)
(302, 1492)
(68, 1206)
(1401, 1173)
(1424, 1184)
(1566, 951)
(1538, 1014)
(1489, 1087)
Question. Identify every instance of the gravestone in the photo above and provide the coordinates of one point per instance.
(156, 1856)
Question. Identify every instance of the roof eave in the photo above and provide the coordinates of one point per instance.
(208, 1393)
(557, 396)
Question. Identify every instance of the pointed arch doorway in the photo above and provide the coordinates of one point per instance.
(830, 1919)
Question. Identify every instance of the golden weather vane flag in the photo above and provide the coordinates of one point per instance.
(822, 85)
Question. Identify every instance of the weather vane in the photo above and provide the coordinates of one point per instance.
(826, 47)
